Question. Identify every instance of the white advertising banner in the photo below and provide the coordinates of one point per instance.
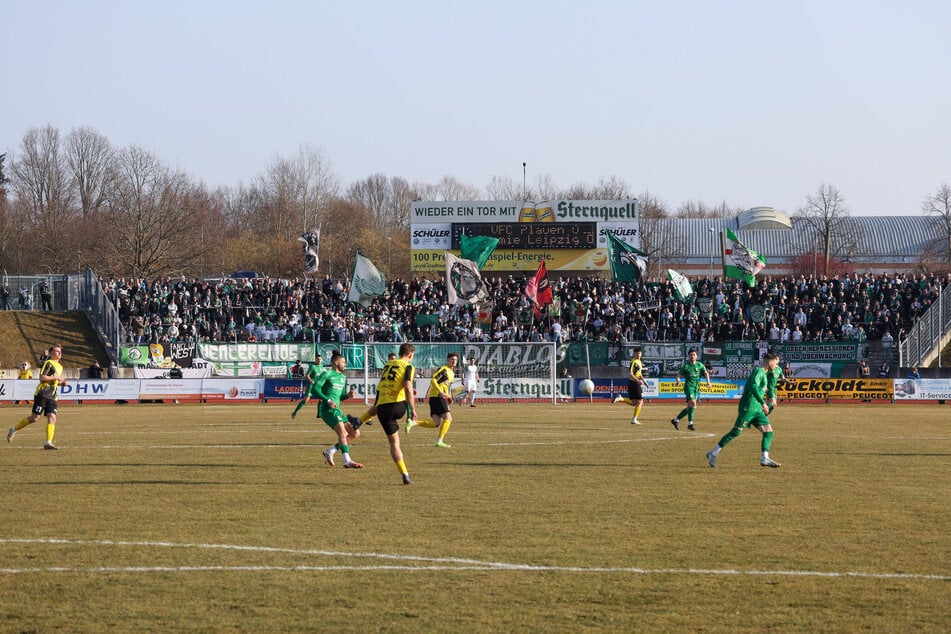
(6, 389)
(82, 390)
(431, 236)
(232, 389)
(142, 372)
(170, 389)
(923, 390)
(523, 211)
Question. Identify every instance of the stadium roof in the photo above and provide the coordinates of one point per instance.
(879, 237)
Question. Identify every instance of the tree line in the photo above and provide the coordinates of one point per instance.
(73, 200)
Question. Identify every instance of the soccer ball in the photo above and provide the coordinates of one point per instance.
(586, 387)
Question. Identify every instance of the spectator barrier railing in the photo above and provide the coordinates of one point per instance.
(102, 313)
(929, 335)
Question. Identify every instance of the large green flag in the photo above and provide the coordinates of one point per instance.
(477, 248)
(739, 261)
(627, 263)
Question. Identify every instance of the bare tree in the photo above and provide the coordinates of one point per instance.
(826, 219)
(937, 206)
(154, 217)
(650, 206)
(448, 188)
(42, 186)
(612, 188)
(386, 199)
(90, 159)
(700, 209)
(293, 194)
(504, 188)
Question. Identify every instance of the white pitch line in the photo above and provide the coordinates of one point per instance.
(595, 442)
(427, 563)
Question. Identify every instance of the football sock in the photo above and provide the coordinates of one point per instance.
(299, 406)
(716, 449)
(690, 413)
(402, 467)
(444, 428)
(365, 416)
(23, 423)
(683, 413)
(767, 439)
(332, 450)
(727, 437)
(50, 430)
(426, 422)
(346, 454)
(637, 411)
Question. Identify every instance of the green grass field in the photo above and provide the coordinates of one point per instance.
(539, 518)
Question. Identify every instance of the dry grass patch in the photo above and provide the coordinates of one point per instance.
(539, 518)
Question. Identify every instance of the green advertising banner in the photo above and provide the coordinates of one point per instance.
(243, 352)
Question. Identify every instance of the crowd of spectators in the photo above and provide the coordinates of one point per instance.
(857, 307)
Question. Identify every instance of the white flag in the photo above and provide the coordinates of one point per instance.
(463, 283)
(682, 287)
(366, 282)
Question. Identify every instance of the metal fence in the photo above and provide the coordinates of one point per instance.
(59, 292)
(37, 292)
(102, 313)
(926, 339)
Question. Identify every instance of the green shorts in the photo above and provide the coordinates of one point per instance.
(311, 391)
(751, 418)
(331, 416)
(691, 394)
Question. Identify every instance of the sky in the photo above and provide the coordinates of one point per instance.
(749, 102)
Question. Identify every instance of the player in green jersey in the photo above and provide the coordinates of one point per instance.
(330, 391)
(772, 378)
(314, 372)
(753, 410)
(691, 371)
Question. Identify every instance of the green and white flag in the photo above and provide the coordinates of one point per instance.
(682, 287)
(464, 284)
(477, 248)
(627, 263)
(366, 282)
(739, 261)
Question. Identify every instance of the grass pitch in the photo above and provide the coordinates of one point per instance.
(539, 518)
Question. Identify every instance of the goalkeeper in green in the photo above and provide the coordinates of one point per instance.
(753, 410)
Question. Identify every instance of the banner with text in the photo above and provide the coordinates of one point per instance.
(847, 389)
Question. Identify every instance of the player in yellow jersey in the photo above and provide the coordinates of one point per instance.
(365, 417)
(394, 395)
(635, 384)
(439, 399)
(44, 398)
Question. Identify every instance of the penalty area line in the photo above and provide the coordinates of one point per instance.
(423, 564)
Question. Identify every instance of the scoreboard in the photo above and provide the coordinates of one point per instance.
(531, 235)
